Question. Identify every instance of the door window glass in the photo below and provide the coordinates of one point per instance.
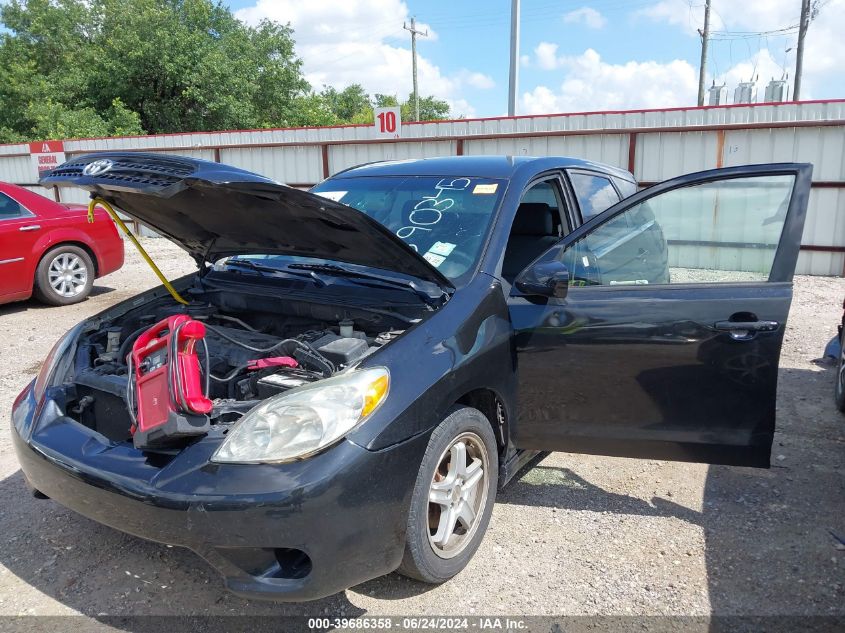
(594, 193)
(544, 192)
(536, 228)
(10, 209)
(722, 231)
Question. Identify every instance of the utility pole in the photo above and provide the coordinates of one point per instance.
(513, 79)
(803, 24)
(702, 69)
(414, 33)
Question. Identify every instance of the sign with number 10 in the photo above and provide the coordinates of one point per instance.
(388, 122)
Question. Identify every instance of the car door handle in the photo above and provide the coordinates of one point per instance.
(30, 227)
(744, 330)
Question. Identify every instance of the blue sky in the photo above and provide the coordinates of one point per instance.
(575, 56)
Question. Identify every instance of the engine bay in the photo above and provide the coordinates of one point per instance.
(242, 358)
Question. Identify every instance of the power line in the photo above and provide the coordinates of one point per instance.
(745, 35)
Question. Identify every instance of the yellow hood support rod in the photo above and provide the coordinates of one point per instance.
(133, 239)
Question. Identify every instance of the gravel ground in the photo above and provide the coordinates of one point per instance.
(574, 535)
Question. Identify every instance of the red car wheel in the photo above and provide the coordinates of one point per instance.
(65, 275)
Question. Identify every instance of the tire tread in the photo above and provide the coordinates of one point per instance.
(418, 563)
(41, 287)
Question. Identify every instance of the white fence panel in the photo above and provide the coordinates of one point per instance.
(17, 169)
(72, 195)
(820, 263)
(664, 155)
(606, 148)
(345, 156)
(666, 145)
(293, 164)
(822, 146)
(41, 191)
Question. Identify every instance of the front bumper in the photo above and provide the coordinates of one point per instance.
(345, 509)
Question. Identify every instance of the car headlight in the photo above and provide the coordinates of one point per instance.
(54, 359)
(305, 420)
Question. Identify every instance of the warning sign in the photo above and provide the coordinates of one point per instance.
(46, 155)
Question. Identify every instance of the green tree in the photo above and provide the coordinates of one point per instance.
(92, 67)
(431, 108)
(55, 120)
(73, 68)
(385, 101)
(348, 103)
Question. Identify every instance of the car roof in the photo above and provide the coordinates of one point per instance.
(478, 166)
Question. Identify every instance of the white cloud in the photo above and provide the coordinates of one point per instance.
(592, 84)
(587, 16)
(680, 13)
(350, 20)
(604, 198)
(546, 55)
(362, 41)
(760, 66)
(475, 79)
(824, 56)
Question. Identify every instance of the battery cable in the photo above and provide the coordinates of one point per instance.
(99, 201)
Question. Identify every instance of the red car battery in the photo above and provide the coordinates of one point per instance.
(168, 390)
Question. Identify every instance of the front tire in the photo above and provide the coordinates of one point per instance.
(65, 275)
(453, 497)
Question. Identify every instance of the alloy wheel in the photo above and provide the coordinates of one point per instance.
(457, 495)
(67, 274)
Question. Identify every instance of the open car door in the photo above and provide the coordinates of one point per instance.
(667, 341)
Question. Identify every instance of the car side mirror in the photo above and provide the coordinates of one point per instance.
(547, 279)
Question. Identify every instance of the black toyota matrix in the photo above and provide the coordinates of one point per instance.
(352, 373)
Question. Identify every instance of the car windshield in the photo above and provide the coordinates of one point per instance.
(444, 219)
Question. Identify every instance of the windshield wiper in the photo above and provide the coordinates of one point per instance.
(248, 263)
(429, 292)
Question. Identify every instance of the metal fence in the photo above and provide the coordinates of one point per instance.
(653, 144)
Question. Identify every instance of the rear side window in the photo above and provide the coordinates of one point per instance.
(626, 187)
(9, 209)
(594, 193)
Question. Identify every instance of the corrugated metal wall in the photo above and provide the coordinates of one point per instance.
(654, 144)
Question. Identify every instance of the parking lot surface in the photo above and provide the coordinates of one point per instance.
(574, 535)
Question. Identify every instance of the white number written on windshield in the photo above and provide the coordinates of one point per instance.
(429, 211)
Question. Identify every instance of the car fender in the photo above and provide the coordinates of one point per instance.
(63, 235)
(465, 346)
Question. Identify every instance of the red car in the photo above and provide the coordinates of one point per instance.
(50, 250)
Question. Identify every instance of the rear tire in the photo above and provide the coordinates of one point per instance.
(453, 497)
(65, 275)
(839, 386)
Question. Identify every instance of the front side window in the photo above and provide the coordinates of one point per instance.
(444, 219)
(544, 192)
(10, 209)
(594, 193)
(722, 231)
(536, 227)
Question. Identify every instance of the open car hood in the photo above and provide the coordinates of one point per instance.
(214, 210)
